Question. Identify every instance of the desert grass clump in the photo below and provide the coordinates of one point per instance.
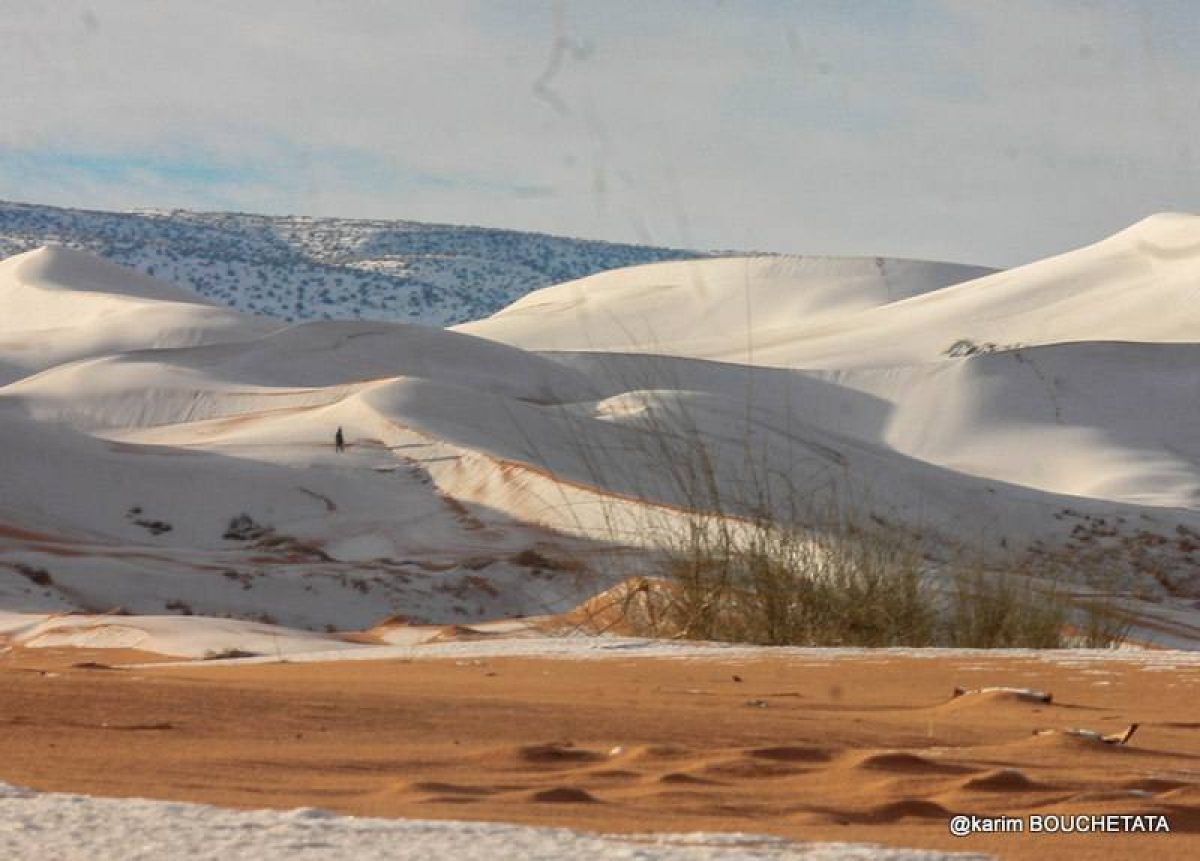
(847, 584)
(763, 583)
(1103, 625)
(998, 610)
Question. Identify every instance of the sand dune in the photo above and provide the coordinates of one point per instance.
(1109, 291)
(59, 305)
(140, 422)
(678, 307)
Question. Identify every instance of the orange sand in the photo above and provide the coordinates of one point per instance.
(870, 748)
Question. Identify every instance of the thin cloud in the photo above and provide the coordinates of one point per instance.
(938, 129)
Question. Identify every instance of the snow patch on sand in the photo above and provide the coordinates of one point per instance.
(80, 828)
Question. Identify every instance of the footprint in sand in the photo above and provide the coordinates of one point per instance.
(791, 754)
(563, 795)
(682, 778)
(748, 767)
(910, 808)
(903, 763)
(542, 756)
(1003, 780)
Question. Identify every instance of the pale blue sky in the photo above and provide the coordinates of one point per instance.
(988, 132)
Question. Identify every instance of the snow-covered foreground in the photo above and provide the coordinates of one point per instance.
(40, 826)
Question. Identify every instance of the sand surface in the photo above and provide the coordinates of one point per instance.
(868, 748)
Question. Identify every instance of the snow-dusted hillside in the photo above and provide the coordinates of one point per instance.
(298, 268)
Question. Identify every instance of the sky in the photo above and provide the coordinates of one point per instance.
(982, 131)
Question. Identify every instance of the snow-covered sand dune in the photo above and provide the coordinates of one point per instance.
(1114, 290)
(162, 454)
(703, 307)
(58, 304)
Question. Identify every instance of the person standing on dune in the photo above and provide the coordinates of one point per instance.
(339, 441)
